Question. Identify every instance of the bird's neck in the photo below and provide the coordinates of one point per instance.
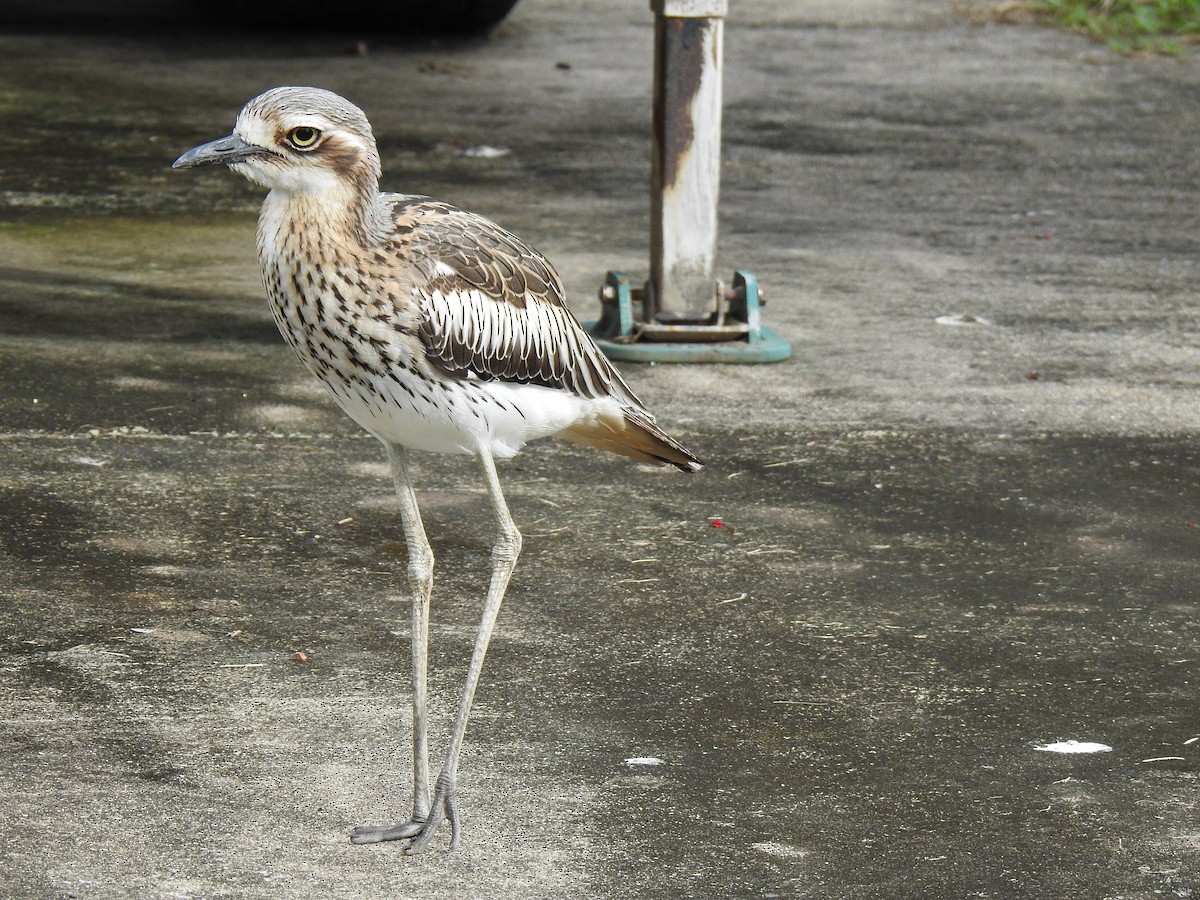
(346, 214)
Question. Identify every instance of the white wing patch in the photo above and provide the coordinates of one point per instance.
(533, 342)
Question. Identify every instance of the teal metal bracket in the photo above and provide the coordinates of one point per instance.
(730, 331)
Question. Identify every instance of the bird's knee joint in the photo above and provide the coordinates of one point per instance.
(422, 559)
(420, 567)
(508, 545)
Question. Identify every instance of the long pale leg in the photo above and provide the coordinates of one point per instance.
(504, 560)
(420, 578)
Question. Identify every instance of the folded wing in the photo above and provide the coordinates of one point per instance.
(493, 308)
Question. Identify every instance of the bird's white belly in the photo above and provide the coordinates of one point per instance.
(461, 416)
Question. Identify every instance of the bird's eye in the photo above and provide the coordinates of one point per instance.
(303, 137)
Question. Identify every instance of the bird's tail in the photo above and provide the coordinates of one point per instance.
(631, 432)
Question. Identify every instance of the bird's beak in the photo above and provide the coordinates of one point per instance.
(226, 150)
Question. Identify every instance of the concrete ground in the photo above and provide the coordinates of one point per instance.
(953, 545)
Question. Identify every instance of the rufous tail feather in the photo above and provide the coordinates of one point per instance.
(634, 435)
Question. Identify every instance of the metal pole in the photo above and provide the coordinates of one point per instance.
(686, 166)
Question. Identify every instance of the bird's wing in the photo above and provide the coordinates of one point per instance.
(493, 307)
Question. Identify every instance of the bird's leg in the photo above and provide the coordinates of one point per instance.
(420, 576)
(504, 560)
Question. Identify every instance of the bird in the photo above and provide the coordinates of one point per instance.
(435, 330)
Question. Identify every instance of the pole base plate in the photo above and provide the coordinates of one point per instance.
(730, 331)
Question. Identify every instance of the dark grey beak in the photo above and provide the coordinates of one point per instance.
(224, 150)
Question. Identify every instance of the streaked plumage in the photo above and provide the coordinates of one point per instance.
(434, 329)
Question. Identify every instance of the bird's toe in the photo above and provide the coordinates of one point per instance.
(377, 834)
(444, 809)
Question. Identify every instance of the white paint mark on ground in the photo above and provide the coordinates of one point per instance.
(784, 851)
(962, 320)
(1074, 747)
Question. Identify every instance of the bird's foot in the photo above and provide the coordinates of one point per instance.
(377, 834)
(420, 829)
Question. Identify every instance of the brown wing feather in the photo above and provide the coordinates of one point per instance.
(494, 307)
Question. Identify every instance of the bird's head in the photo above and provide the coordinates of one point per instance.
(297, 140)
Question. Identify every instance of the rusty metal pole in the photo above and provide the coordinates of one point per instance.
(683, 314)
(686, 166)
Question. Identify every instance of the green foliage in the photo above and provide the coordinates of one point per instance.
(1157, 26)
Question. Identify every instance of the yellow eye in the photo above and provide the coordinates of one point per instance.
(303, 137)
